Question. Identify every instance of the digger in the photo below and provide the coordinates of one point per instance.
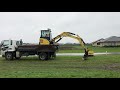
(45, 50)
(47, 40)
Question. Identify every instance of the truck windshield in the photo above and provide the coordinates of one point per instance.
(5, 42)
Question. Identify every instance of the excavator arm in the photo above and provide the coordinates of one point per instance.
(74, 36)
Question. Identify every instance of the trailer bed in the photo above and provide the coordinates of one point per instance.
(37, 48)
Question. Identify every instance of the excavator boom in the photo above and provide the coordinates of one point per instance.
(74, 36)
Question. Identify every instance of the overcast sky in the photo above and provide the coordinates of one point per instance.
(88, 25)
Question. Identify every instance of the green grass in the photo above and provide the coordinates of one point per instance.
(79, 49)
(107, 66)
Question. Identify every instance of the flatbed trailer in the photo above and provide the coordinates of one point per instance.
(44, 52)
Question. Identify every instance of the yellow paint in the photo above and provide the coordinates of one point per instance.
(44, 41)
(91, 53)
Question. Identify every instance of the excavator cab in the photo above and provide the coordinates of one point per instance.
(45, 37)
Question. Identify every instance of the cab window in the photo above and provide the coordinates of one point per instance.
(6, 42)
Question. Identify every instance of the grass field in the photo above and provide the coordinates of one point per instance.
(107, 66)
(79, 49)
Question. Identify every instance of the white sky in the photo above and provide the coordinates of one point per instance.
(88, 25)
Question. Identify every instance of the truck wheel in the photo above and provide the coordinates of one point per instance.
(9, 56)
(43, 56)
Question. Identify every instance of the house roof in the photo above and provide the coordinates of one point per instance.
(112, 39)
(100, 40)
(109, 39)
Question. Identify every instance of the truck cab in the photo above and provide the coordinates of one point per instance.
(9, 46)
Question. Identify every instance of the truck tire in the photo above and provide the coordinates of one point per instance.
(43, 56)
(9, 56)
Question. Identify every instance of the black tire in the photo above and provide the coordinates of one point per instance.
(9, 56)
(43, 56)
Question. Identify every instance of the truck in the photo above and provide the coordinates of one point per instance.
(15, 49)
(45, 50)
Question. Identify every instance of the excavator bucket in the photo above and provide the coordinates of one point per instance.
(90, 53)
(87, 54)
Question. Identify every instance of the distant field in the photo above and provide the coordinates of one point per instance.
(105, 66)
(79, 49)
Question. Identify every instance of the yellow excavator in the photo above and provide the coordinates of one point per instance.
(46, 39)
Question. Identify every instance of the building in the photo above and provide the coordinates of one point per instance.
(111, 41)
(98, 42)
